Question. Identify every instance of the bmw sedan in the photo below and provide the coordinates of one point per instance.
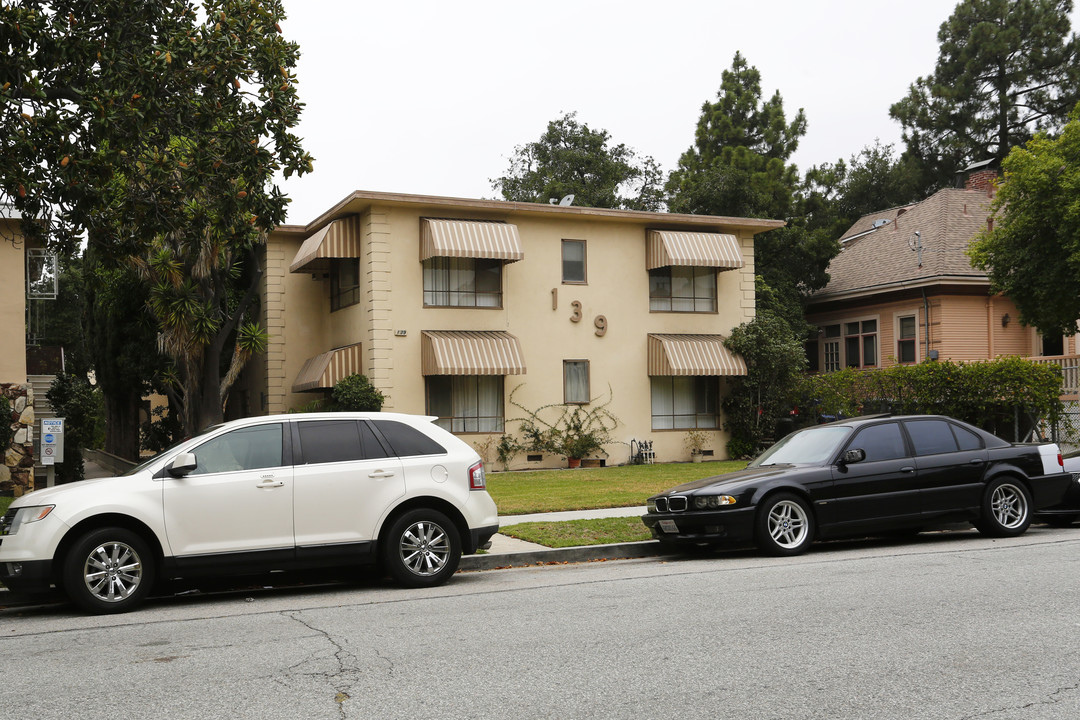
(865, 475)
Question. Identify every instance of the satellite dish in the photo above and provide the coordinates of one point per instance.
(567, 200)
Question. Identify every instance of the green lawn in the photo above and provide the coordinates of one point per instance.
(572, 533)
(521, 493)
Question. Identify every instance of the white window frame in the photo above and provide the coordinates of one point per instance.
(877, 341)
(897, 316)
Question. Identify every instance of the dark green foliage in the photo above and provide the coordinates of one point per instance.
(570, 158)
(72, 398)
(356, 393)
(575, 431)
(738, 163)
(6, 433)
(1032, 254)
(775, 361)
(982, 393)
(1005, 69)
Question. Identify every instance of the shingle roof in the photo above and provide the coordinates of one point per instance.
(947, 222)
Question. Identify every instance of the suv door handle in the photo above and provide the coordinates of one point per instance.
(269, 483)
(380, 474)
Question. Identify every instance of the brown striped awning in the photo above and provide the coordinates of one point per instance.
(667, 247)
(339, 239)
(692, 355)
(326, 370)
(469, 239)
(471, 352)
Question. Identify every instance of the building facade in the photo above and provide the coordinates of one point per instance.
(474, 310)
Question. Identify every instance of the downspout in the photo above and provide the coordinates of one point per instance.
(926, 321)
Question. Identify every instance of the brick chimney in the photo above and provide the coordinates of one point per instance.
(981, 176)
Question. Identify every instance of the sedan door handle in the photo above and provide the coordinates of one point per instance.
(907, 469)
(380, 474)
(976, 461)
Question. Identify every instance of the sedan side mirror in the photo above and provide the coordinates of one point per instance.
(182, 464)
(853, 456)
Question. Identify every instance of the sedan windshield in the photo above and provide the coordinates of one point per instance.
(807, 447)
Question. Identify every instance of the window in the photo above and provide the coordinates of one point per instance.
(966, 439)
(682, 289)
(881, 442)
(813, 360)
(860, 343)
(832, 348)
(1053, 345)
(685, 402)
(331, 441)
(245, 449)
(573, 261)
(344, 283)
(905, 339)
(576, 381)
(407, 441)
(931, 437)
(462, 282)
(466, 403)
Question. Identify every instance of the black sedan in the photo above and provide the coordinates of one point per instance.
(1067, 512)
(863, 476)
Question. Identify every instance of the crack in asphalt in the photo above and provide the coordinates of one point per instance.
(1052, 699)
(347, 674)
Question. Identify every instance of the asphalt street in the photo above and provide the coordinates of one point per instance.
(950, 625)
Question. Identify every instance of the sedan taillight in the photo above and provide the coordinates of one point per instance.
(477, 480)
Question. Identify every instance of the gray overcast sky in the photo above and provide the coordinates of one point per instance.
(432, 97)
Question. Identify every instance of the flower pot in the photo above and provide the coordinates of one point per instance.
(573, 462)
(696, 457)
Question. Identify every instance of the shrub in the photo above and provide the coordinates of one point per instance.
(72, 398)
(6, 433)
(356, 393)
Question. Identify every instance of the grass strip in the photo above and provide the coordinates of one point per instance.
(521, 493)
(572, 533)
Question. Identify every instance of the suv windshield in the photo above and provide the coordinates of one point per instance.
(806, 447)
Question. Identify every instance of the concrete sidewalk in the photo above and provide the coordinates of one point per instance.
(506, 551)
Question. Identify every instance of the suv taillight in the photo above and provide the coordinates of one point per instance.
(477, 481)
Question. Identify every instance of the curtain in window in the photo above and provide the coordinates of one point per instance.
(576, 381)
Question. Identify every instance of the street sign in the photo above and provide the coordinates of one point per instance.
(52, 440)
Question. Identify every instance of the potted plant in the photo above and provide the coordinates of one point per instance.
(696, 441)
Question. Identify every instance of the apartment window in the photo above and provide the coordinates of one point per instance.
(573, 261)
(906, 343)
(685, 402)
(682, 289)
(860, 343)
(344, 283)
(462, 282)
(466, 403)
(832, 348)
(576, 381)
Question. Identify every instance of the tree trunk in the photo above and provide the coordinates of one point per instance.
(122, 425)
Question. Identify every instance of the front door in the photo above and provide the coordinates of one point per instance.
(238, 499)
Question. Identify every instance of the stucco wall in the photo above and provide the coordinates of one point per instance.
(12, 303)
(390, 317)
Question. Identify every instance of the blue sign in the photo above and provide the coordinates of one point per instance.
(50, 439)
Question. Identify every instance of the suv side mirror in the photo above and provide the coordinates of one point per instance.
(182, 464)
(853, 456)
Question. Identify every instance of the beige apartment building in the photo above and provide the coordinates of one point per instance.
(465, 309)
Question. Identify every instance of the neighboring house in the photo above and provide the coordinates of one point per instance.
(903, 290)
(17, 460)
(451, 306)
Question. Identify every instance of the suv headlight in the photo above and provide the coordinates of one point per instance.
(10, 523)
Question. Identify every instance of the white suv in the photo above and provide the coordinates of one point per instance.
(264, 493)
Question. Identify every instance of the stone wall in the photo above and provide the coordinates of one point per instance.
(17, 470)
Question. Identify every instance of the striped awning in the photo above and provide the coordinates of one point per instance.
(666, 248)
(471, 352)
(339, 239)
(469, 239)
(326, 370)
(692, 355)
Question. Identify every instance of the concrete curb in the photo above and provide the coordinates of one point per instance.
(582, 553)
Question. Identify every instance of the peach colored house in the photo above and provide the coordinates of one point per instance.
(903, 289)
(452, 307)
(16, 461)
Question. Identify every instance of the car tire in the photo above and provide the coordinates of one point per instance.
(1006, 508)
(421, 549)
(1060, 521)
(784, 525)
(109, 570)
